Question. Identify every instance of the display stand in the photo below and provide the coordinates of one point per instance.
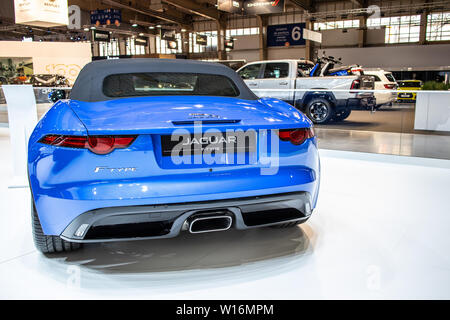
(22, 118)
(432, 111)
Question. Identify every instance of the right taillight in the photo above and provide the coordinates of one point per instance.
(296, 136)
(389, 86)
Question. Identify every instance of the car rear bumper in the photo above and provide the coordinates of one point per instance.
(168, 220)
(407, 96)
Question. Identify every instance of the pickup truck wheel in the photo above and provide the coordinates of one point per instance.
(342, 115)
(319, 111)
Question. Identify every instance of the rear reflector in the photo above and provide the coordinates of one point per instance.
(96, 144)
(355, 84)
(296, 136)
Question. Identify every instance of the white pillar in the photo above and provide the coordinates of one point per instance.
(22, 118)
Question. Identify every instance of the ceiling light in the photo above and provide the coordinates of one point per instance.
(158, 26)
(183, 30)
(134, 25)
(141, 34)
(86, 29)
(151, 27)
(93, 28)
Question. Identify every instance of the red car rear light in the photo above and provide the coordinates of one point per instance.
(296, 136)
(355, 84)
(389, 86)
(96, 144)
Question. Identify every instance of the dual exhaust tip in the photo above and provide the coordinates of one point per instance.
(211, 223)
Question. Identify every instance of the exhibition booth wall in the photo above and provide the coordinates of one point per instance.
(64, 58)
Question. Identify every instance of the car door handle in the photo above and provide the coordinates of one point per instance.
(253, 84)
(284, 83)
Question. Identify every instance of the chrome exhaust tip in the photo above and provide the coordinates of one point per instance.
(210, 224)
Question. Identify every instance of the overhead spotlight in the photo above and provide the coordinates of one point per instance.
(151, 27)
(134, 25)
(183, 30)
(93, 28)
(86, 29)
(141, 34)
(158, 26)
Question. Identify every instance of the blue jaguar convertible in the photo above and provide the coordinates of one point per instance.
(148, 148)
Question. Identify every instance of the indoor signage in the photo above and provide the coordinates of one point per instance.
(201, 39)
(142, 41)
(263, 6)
(285, 35)
(232, 6)
(100, 36)
(172, 44)
(168, 35)
(106, 17)
(229, 44)
(41, 13)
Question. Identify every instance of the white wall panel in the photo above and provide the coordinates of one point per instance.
(336, 37)
(396, 57)
(65, 58)
(286, 53)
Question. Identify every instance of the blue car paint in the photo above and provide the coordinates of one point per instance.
(64, 184)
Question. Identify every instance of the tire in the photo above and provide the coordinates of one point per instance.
(319, 111)
(289, 224)
(341, 116)
(48, 244)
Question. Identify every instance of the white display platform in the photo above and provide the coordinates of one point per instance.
(432, 111)
(381, 230)
(22, 118)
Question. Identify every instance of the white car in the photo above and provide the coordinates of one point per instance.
(385, 81)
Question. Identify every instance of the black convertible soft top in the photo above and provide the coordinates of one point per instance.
(89, 85)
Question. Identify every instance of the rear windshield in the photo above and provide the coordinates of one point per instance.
(409, 84)
(168, 84)
(390, 77)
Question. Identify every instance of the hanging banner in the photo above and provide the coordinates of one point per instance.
(201, 39)
(168, 34)
(229, 44)
(172, 45)
(263, 6)
(106, 17)
(231, 6)
(41, 13)
(312, 35)
(141, 41)
(101, 36)
(285, 35)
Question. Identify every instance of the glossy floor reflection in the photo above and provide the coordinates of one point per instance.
(402, 144)
(381, 230)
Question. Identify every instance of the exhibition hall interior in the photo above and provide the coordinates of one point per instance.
(224, 149)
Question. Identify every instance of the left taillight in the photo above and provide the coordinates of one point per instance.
(96, 144)
(296, 136)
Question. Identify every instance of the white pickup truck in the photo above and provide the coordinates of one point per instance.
(276, 78)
